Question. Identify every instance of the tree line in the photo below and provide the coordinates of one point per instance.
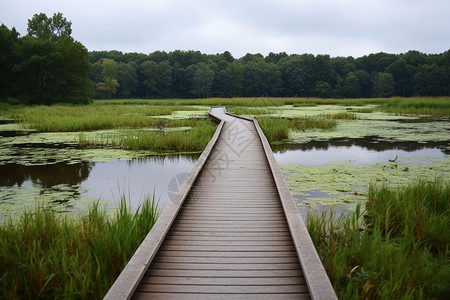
(192, 74)
(47, 65)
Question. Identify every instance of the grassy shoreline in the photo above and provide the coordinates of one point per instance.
(48, 255)
(397, 249)
(62, 256)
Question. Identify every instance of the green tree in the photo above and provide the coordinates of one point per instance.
(149, 75)
(365, 83)
(351, 88)
(296, 74)
(383, 85)
(343, 65)
(403, 75)
(9, 43)
(53, 28)
(109, 68)
(202, 81)
(229, 81)
(322, 90)
(52, 66)
(157, 78)
(108, 87)
(164, 79)
(261, 78)
(431, 80)
(127, 78)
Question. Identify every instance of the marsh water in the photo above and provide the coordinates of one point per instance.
(322, 169)
(68, 183)
(367, 150)
(71, 186)
(351, 156)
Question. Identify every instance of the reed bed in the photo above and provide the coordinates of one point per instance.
(60, 118)
(249, 111)
(45, 255)
(247, 102)
(397, 249)
(364, 110)
(190, 140)
(307, 104)
(339, 116)
(277, 129)
(439, 106)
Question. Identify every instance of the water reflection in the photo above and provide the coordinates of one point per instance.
(368, 150)
(136, 179)
(45, 175)
(64, 183)
(368, 142)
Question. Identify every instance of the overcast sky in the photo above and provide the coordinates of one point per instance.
(335, 27)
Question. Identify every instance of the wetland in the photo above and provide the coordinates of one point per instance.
(43, 161)
(82, 183)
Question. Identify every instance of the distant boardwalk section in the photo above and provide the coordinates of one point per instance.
(232, 231)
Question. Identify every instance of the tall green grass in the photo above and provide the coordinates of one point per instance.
(62, 118)
(247, 102)
(439, 106)
(249, 111)
(277, 129)
(398, 250)
(191, 140)
(45, 255)
(339, 116)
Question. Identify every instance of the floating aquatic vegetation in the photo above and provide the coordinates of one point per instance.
(347, 183)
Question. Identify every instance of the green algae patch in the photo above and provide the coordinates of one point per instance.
(63, 198)
(52, 148)
(388, 126)
(385, 126)
(198, 113)
(346, 183)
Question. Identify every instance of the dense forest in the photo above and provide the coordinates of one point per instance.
(191, 74)
(47, 66)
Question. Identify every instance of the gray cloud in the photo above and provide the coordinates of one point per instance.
(335, 27)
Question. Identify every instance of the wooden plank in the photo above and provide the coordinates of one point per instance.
(219, 267)
(194, 237)
(231, 237)
(220, 289)
(318, 282)
(206, 217)
(225, 273)
(228, 296)
(231, 234)
(226, 260)
(125, 285)
(228, 243)
(229, 248)
(244, 223)
(227, 254)
(255, 281)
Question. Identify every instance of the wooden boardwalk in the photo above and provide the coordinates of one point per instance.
(232, 231)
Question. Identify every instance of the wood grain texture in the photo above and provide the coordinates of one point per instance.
(230, 234)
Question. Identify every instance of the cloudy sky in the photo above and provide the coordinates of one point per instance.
(335, 27)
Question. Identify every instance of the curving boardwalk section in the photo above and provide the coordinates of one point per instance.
(232, 231)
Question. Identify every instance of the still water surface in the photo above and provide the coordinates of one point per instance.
(141, 178)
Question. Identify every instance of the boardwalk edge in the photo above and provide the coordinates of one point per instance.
(316, 277)
(128, 280)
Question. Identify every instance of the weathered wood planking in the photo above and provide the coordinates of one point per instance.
(232, 231)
